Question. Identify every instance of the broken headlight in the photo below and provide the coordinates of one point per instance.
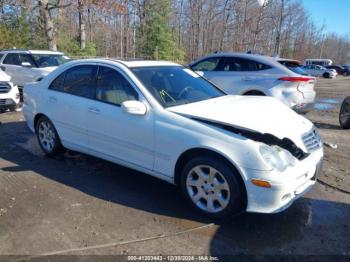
(276, 157)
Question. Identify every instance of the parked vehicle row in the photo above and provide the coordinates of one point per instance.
(227, 153)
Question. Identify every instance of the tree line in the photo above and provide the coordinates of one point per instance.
(178, 30)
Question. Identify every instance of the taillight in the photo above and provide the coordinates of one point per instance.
(296, 79)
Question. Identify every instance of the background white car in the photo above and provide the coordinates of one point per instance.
(25, 66)
(9, 94)
(249, 74)
(317, 70)
(227, 153)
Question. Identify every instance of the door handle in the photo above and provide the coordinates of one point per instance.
(52, 99)
(94, 110)
(248, 78)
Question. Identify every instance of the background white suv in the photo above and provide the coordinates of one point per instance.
(25, 66)
(250, 74)
(9, 94)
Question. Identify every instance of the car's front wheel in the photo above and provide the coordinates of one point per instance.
(326, 75)
(47, 136)
(212, 187)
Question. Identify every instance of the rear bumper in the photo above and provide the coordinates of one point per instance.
(301, 102)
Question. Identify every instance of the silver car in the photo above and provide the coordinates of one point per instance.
(250, 74)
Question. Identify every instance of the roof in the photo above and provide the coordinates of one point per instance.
(145, 63)
(287, 59)
(131, 63)
(46, 52)
(255, 57)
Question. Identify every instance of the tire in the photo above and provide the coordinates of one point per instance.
(47, 136)
(344, 114)
(13, 108)
(196, 183)
(254, 93)
(345, 74)
(326, 75)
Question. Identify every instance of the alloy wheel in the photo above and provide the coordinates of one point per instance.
(208, 188)
(47, 135)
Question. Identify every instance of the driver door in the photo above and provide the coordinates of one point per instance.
(114, 134)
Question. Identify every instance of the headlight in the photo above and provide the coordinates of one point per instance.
(277, 157)
(5, 87)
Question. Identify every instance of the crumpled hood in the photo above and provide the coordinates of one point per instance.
(4, 77)
(254, 113)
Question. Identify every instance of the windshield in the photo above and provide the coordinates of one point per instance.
(46, 60)
(176, 85)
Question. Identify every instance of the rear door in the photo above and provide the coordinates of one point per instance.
(68, 98)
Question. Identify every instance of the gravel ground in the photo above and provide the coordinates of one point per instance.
(79, 205)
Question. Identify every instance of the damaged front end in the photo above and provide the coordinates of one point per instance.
(266, 138)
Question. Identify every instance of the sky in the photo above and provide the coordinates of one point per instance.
(334, 14)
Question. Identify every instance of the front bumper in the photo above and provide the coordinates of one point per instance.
(286, 186)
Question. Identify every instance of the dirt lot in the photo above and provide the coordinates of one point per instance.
(79, 205)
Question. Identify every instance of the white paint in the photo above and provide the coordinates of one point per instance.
(152, 143)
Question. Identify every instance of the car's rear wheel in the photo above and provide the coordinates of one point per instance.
(47, 136)
(326, 75)
(345, 74)
(212, 187)
(344, 114)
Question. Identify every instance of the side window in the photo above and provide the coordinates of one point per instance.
(80, 81)
(112, 87)
(241, 64)
(209, 64)
(57, 84)
(12, 59)
(261, 66)
(26, 58)
(233, 64)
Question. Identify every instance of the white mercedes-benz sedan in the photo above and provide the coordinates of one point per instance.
(227, 153)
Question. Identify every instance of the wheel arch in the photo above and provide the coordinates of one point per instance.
(190, 153)
(36, 119)
(253, 92)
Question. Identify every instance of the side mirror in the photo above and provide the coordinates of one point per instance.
(26, 64)
(134, 107)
